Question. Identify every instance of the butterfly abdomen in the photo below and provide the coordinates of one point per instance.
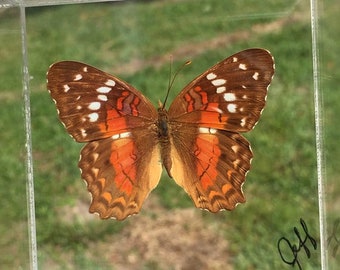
(164, 139)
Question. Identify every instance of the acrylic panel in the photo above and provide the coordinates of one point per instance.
(135, 41)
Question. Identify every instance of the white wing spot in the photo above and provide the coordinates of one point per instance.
(211, 76)
(95, 157)
(218, 82)
(229, 97)
(78, 97)
(96, 170)
(102, 97)
(115, 137)
(64, 124)
(103, 90)
(242, 66)
(243, 122)
(121, 135)
(110, 82)
(125, 135)
(244, 97)
(66, 88)
(85, 69)
(78, 107)
(234, 148)
(244, 87)
(83, 132)
(205, 130)
(236, 163)
(231, 108)
(256, 76)
(216, 109)
(93, 117)
(78, 77)
(219, 110)
(235, 59)
(220, 89)
(94, 106)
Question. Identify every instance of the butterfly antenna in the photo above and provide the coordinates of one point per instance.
(172, 80)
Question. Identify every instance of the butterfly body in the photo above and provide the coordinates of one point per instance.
(164, 134)
(197, 139)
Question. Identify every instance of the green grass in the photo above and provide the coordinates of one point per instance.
(329, 84)
(281, 187)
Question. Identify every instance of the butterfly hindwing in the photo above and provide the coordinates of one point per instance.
(213, 166)
(120, 173)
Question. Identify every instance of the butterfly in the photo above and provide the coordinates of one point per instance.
(197, 139)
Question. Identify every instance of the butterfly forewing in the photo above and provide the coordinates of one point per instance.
(230, 95)
(93, 104)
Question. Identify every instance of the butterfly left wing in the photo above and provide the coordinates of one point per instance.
(120, 173)
(93, 104)
(210, 158)
(120, 162)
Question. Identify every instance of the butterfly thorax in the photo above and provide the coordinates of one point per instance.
(164, 139)
(162, 124)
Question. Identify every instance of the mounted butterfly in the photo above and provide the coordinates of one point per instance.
(197, 140)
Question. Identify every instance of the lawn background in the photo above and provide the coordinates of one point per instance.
(134, 40)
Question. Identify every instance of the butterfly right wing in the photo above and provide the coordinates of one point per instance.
(210, 157)
(230, 95)
(120, 163)
(211, 166)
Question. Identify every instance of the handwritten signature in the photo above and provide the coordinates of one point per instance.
(334, 237)
(291, 257)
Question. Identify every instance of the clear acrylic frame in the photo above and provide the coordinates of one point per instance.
(305, 239)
